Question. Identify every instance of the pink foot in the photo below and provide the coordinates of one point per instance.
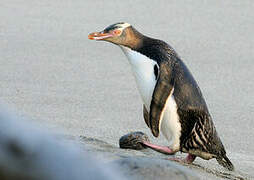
(188, 160)
(161, 149)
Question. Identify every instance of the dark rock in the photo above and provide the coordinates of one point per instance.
(133, 140)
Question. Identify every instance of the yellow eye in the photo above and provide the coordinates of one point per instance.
(117, 32)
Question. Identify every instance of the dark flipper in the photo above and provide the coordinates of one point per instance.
(162, 91)
(146, 115)
(225, 162)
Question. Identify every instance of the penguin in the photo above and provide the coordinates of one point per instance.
(172, 100)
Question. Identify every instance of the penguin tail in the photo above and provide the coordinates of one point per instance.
(225, 162)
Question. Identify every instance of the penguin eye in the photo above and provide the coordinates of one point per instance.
(156, 71)
(117, 32)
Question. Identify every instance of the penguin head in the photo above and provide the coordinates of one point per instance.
(119, 33)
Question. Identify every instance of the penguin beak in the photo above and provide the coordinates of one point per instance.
(99, 36)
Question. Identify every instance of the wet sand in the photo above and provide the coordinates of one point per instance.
(51, 73)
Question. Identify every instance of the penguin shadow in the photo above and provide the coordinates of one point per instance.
(219, 172)
(234, 175)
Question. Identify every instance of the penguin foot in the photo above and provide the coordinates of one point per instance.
(188, 160)
(161, 149)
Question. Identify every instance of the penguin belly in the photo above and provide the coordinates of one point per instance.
(170, 125)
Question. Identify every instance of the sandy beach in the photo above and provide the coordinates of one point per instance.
(52, 74)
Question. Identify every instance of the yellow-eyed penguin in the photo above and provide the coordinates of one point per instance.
(173, 103)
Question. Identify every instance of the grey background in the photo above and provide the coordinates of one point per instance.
(51, 73)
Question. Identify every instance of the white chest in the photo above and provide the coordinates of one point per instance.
(143, 70)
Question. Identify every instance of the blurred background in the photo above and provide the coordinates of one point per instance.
(52, 74)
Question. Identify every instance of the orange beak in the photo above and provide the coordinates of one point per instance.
(99, 35)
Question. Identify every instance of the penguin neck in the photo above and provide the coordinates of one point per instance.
(132, 38)
(143, 70)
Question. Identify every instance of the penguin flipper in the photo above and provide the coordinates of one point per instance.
(162, 91)
(146, 115)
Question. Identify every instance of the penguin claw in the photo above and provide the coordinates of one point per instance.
(188, 160)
